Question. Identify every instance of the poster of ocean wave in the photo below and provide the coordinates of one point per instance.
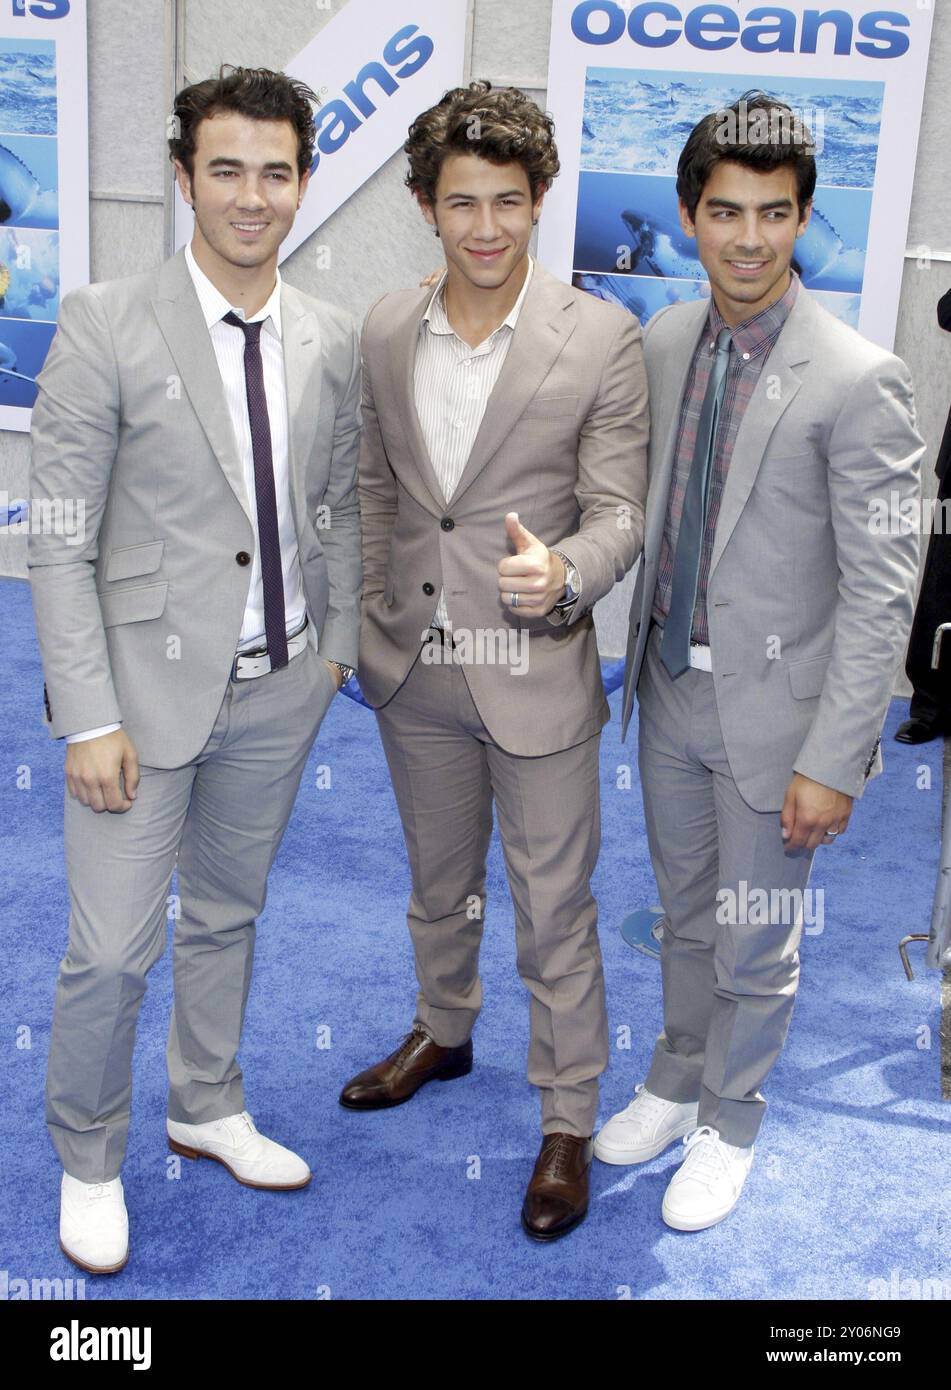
(44, 190)
(29, 215)
(634, 126)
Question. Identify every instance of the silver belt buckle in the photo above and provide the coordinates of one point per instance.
(258, 663)
(700, 657)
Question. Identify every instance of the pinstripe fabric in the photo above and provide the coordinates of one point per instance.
(752, 343)
(228, 343)
(452, 384)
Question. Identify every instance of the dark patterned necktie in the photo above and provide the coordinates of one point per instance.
(269, 541)
(675, 643)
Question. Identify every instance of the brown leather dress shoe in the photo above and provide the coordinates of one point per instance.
(398, 1077)
(556, 1199)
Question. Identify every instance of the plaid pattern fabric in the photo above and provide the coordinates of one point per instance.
(753, 341)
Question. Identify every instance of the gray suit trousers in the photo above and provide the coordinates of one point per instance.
(729, 984)
(223, 816)
(446, 772)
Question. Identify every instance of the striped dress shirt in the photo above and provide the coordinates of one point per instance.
(753, 340)
(452, 383)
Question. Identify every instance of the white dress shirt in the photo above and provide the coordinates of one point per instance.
(228, 343)
(452, 383)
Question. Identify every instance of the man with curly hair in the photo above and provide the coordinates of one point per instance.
(502, 487)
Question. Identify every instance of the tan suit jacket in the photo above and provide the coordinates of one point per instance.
(564, 443)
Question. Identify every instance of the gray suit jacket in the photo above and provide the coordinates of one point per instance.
(564, 443)
(829, 435)
(140, 621)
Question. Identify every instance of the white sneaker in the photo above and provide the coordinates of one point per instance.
(250, 1157)
(644, 1128)
(94, 1224)
(707, 1185)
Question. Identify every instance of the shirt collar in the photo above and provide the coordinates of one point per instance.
(757, 334)
(214, 306)
(438, 320)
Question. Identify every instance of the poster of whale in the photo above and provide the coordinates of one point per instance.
(633, 128)
(626, 86)
(44, 194)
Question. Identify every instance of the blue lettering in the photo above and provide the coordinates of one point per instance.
(615, 17)
(46, 9)
(870, 27)
(354, 90)
(412, 55)
(335, 123)
(723, 23)
(763, 29)
(812, 22)
(755, 40)
(637, 25)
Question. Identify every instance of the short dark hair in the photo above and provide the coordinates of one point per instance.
(499, 124)
(757, 130)
(256, 92)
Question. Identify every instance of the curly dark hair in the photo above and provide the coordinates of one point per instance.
(256, 92)
(501, 125)
(757, 130)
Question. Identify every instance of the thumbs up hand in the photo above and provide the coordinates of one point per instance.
(533, 579)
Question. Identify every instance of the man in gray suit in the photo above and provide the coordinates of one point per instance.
(768, 621)
(502, 483)
(209, 415)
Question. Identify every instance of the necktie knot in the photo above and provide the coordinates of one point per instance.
(724, 340)
(251, 331)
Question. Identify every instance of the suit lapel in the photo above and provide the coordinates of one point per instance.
(402, 354)
(665, 419)
(778, 384)
(300, 333)
(183, 327)
(542, 330)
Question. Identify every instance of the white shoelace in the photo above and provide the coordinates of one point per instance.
(707, 1159)
(645, 1108)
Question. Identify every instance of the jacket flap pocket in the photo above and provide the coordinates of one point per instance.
(806, 678)
(132, 605)
(547, 407)
(127, 561)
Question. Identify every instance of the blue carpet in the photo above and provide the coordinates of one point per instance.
(850, 1179)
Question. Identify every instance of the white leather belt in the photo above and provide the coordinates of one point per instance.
(249, 665)
(700, 658)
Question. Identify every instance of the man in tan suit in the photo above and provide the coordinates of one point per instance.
(502, 487)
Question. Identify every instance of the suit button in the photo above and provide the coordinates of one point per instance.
(243, 558)
(447, 523)
(428, 588)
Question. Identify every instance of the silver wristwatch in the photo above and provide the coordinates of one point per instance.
(345, 671)
(572, 583)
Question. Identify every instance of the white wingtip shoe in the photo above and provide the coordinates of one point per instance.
(644, 1128)
(94, 1225)
(707, 1185)
(234, 1142)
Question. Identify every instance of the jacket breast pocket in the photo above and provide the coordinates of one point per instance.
(128, 561)
(806, 678)
(550, 407)
(134, 605)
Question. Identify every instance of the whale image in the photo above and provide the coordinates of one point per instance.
(659, 246)
(8, 361)
(21, 196)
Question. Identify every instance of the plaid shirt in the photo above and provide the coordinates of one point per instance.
(753, 340)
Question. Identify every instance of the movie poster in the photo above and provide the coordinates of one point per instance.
(628, 83)
(44, 187)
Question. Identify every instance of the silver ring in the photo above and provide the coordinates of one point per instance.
(513, 599)
(833, 833)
